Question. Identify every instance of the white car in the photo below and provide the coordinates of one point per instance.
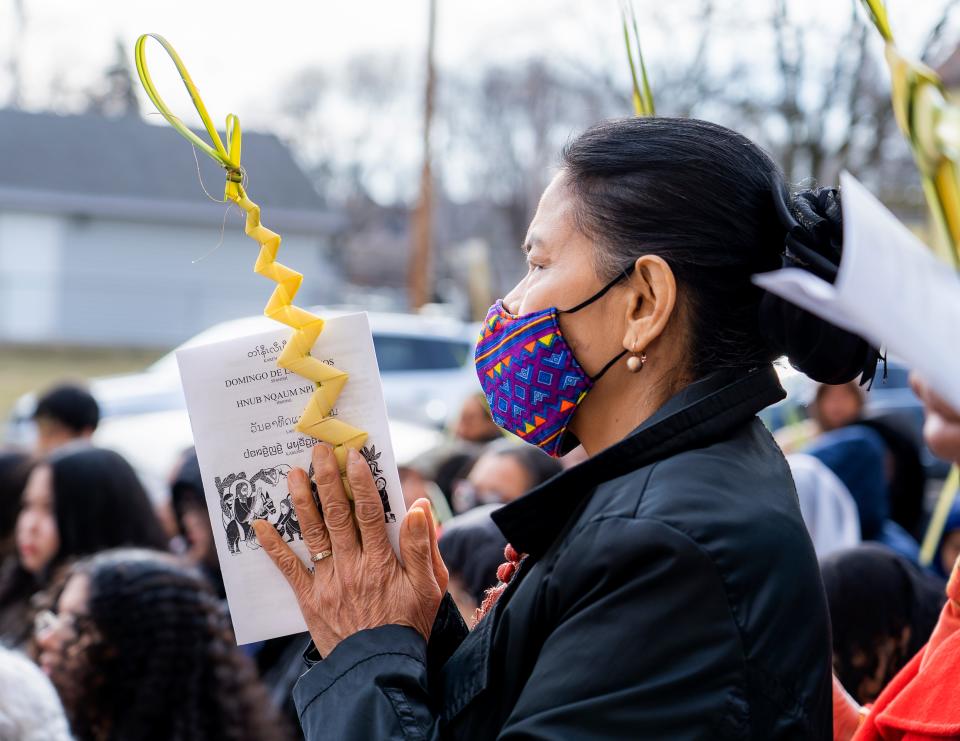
(426, 366)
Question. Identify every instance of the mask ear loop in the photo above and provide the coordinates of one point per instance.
(607, 367)
(625, 273)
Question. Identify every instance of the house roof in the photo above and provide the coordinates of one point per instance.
(88, 165)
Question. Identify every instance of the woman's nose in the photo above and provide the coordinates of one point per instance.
(25, 523)
(513, 300)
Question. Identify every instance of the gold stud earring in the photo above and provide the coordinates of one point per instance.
(636, 362)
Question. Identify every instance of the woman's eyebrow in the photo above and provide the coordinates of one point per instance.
(529, 243)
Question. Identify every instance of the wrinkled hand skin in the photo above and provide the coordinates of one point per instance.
(941, 429)
(363, 585)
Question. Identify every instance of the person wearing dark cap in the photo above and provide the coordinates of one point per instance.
(64, 414)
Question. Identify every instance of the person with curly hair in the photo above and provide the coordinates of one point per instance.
(140, 648)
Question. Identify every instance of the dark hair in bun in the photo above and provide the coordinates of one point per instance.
(814, 242)
(715, 207)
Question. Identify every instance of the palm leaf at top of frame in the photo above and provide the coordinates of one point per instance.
(642, 94)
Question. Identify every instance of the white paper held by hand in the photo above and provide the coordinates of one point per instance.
(890, 290)
(242, 410)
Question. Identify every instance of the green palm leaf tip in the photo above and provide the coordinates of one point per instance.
(642, 94)
(878, 14)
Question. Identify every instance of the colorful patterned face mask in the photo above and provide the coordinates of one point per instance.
(531, 379)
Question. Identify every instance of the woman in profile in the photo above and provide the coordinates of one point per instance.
(666, 587)
(139, 647)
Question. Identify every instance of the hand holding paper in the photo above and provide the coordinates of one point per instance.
(239, 432)
(361, 583)
(243, 410)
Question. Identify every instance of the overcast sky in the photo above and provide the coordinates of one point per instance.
(242, 54)
(239, 51)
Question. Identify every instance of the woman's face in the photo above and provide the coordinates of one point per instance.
(38, 538)
(837, 406)
(633, 315)
(498, 479)
(561, 273)
(61, 641)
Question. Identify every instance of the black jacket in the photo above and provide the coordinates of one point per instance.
(670, 592)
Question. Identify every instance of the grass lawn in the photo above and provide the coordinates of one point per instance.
(34, 368)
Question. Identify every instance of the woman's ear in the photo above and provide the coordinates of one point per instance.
(652, 290)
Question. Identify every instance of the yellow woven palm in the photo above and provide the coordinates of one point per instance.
(931, 125)
(315, 419)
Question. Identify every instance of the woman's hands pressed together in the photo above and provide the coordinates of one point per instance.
(363, 584)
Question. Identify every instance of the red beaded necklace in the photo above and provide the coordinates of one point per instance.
(505, 573)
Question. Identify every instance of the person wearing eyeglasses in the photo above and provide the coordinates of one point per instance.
(139, 647)
(471, 545)
(504, 472)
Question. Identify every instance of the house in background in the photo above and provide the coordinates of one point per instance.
(103, 222)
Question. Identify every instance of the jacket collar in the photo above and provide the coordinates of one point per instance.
(702, 412)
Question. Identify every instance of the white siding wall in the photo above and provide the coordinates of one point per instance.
(30, 264)
(102, 282)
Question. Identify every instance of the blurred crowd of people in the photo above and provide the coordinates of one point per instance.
(113, 616)
(126, 623)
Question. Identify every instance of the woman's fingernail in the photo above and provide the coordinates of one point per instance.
(353, 457)
(297, 476)
(323, 450)
(418, 522)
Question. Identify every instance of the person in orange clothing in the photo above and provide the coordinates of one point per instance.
(921, 702)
